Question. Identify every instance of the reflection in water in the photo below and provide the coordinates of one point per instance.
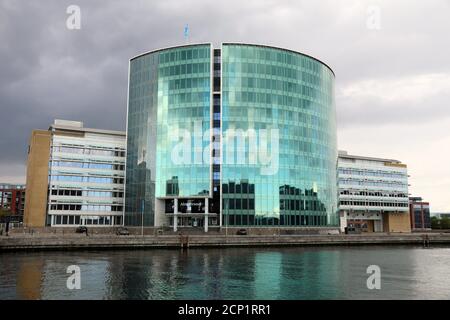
(245, 273)
(29, 281)
(267, 275)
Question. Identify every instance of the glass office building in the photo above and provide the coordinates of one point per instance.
(241, 135)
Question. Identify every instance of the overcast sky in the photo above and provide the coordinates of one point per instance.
(392, 69)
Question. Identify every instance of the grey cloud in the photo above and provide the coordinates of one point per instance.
(374, 110)
(50, 72)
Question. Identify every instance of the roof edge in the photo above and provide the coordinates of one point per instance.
(172, 47)
(350, 156)
(89, 130)
(281, 48)
(234, 43)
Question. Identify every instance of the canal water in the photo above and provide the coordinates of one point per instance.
(243, 273)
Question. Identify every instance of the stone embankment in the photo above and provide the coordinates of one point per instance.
(71, 241)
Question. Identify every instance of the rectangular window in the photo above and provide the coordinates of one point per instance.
(251, 204)
(245, 204)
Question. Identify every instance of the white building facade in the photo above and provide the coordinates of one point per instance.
(373, 193)
(86, 175)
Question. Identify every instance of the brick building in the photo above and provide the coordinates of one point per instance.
(12, 199)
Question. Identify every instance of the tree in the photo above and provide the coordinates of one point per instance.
(5, 212)
(445, 223)
(435, 223)
(440, 223)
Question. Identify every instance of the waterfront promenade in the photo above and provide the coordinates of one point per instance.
(72, 241)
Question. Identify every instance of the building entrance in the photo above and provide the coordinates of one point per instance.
(189, 222)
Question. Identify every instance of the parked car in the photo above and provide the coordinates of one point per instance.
(122, 231)
(352, 230)
(242, 232)
(81, 229)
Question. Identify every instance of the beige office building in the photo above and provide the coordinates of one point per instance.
(75, 176)
(373, 194)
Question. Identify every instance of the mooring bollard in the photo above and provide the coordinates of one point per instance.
(426, 241)
(184, 241)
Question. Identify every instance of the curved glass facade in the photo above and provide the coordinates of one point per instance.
(184, 101)
(169, 90)
(270, 88)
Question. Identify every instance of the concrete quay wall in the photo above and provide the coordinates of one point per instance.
(19, 242)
